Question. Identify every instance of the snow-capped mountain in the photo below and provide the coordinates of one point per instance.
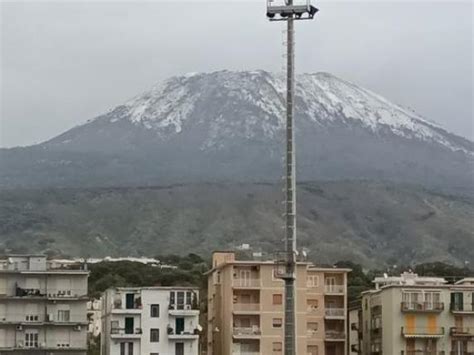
(230, 125)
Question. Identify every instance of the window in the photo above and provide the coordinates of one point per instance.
(312, 281)
(122, 348)
(313, 305)
(154, 335)
(114, 326)
(31, 339)
(312, 327)
(179, 348)
(189, 298)
(130, 348)
(63, 316)
(277, 322)
(277, 299)
(32, 318)
(277, 347)
(155, 310)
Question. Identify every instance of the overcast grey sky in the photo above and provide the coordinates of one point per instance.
(63, 63)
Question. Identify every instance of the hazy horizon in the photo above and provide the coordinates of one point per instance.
(65, 63)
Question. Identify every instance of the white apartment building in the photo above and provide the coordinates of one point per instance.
(94, 316)
(150, 321)
(42, 308)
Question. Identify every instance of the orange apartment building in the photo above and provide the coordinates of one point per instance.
(246, 311)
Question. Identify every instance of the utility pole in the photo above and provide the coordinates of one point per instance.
(289, 12)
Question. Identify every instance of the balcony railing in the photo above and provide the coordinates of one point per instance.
(461, 332)
(246, 307)
(335, 335)
(434, 332)
(251, 282)
(183, 334)
(126, 331)
(422, 306)
(247, 331)
(462, 307)
(334, 312)
(183, 307)
(335, 289)
(49, 293)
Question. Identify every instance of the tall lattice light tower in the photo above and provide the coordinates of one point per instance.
(289, 11)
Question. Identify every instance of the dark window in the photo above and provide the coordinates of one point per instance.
(172, 297)
(130, 301)
(154, 335)
(179, 348)
(155, 310)
(457, 300)
(189, 298)
(122, 348)
(128, 325)
(130, 348)
(179, 325)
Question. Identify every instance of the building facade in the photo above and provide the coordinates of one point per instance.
(42, 308)
(150, 321)
(411, 315)
(246, 311)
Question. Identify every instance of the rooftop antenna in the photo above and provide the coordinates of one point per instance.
(289, 11)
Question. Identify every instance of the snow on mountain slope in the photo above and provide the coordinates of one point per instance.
(321, 98)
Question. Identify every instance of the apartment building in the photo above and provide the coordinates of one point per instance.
(354, 330)
(42, 307)
(411, 315)
(246, 312)
(150, 321)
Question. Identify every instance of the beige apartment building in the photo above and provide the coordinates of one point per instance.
(42, 307)
(412, 315)
(246, 311)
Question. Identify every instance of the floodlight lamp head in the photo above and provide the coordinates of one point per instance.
(283, 10)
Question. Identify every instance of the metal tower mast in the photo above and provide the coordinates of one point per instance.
(290, 12)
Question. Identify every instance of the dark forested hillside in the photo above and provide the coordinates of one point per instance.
(367, 222)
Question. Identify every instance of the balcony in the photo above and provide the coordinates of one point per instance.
(22, 346)
(124, 333)
(417, 332)
(247, 332)
(422, 352)
(246, 308)
(334, 313)
(246, 283)
(71, 294)
(425, 307)
(182, 335)
(461, 307)
(119, 308)
(183, 310)
(462, 332)
(29, 292)
(334, 289)
(335, 335)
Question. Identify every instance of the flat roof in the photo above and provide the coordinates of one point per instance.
(310, 266)
(155, 288)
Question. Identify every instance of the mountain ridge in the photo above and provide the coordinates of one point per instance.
(229, 126)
